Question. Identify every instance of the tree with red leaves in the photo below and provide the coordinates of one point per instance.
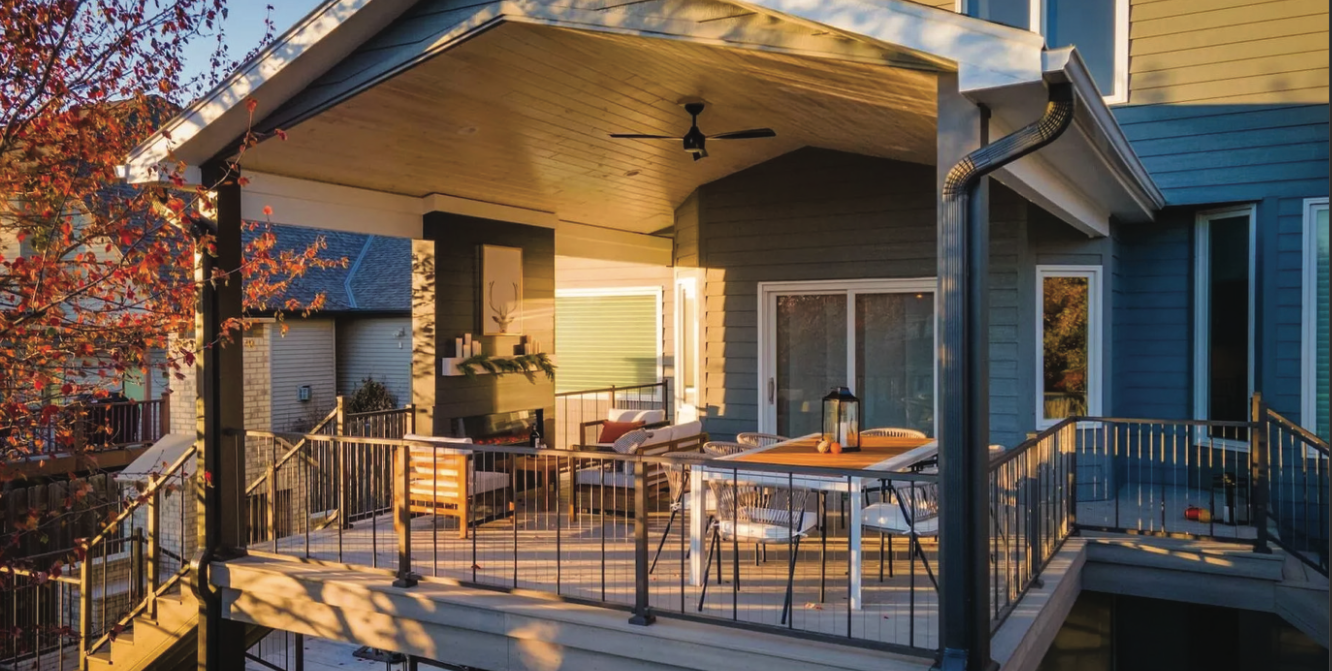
(95, 274)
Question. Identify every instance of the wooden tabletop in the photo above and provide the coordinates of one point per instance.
(801, 452)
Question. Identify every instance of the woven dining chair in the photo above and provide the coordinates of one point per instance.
(722, 448)
(893, 432)
(677, 479)
(911, 510)
(755, 439)
(761, 515)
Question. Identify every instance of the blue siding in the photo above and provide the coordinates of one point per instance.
(1203, 154)
(1151, 301)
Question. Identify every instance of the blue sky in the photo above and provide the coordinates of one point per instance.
(245, 27)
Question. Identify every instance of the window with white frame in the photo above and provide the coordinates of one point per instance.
(1314, 356)
(687, 340)
(1068, 346)
(1223, 315)
(1098, 28)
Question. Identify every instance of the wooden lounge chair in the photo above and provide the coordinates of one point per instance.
(437, 485)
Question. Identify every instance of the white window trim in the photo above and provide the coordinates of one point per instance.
(688, 282)
(1202, 316)
(767, 321)
(627, 291)
(1036, 18)
(1309, 315)
(1095, 336)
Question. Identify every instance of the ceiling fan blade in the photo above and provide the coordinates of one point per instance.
(750, 134)
(634, 136)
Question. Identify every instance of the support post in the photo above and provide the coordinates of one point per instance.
(402, 506)
(220, 412)
(152, 556)
(1258, 473)
(967, 157)
(642, 611)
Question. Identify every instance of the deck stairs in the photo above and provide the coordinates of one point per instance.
(1300, 598)
(166, 641)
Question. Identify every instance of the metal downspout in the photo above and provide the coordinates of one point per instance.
(964, 426)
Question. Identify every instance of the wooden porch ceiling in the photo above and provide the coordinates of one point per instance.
(519, 116)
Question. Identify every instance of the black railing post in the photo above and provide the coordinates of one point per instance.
(1258, 473)
(402, 506)
(642, 611)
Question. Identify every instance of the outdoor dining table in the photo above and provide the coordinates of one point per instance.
(877, 453)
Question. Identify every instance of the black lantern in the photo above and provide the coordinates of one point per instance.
(841, 419)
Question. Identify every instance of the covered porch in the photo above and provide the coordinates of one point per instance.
(466, 126)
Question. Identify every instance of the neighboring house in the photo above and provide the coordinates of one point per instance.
(363, 332)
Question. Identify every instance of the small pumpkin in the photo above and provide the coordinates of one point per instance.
(836, 447)
(823, 446)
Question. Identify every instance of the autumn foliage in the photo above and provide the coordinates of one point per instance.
(95, 275)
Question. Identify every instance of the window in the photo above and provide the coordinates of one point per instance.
(607, 337)
(1098, 28)
(1068, 361)
(687, 340)
(1314, 354)
(1223, 316)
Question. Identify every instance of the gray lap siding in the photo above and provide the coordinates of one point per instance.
(823, 215)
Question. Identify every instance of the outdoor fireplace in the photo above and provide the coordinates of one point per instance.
(501, 428)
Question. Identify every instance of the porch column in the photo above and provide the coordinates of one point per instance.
(424, 361)
(964, 417)
(219, 374)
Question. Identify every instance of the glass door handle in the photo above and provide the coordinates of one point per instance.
(772, 391)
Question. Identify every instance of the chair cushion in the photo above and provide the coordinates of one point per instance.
(597, 476)
(632, 415)
(763, 531)
(888, 517)
(611, 431)
(424, 489)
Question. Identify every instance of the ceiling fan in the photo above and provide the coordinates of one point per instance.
(695, 142)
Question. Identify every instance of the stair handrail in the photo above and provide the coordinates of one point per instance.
(145, 570)
(334, 415)
(1311, 447)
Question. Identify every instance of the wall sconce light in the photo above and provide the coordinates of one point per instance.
(303, 393)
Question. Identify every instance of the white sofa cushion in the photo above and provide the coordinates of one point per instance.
(631, 415)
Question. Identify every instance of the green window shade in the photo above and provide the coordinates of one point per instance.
(1321, 339)
(602, 341)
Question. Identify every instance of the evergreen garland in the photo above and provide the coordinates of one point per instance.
(527, 364)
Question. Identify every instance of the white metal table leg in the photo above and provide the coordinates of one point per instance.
(698, 516)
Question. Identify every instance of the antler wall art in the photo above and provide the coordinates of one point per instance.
(502, 280)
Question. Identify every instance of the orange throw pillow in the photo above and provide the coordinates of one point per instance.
(611, 431)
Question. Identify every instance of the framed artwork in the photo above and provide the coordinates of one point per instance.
(502, 290)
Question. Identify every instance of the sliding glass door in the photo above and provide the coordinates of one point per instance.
(874, 337)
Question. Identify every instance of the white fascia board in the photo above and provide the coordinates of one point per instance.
(285, 67)
(594, 242)
(1103, 129)
(985, 54)
(299, 202)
